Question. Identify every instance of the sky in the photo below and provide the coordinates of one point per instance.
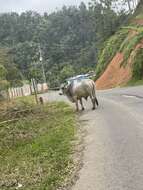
(36, 5)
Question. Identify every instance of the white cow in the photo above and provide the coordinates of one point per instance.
(79, 89)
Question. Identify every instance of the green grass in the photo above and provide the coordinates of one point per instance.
(134, 82)
(138, 65)
(140, 16)
(26, 100)
(36, 151)
(134, 28)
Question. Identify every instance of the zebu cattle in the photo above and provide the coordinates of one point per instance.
(78, 89)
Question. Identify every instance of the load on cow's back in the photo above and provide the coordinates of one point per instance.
(76, 90)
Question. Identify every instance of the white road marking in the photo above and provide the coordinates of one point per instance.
(131, 96)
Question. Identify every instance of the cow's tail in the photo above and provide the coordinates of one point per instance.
(94, 95)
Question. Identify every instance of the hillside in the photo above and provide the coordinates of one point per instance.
(69, 40)
(121, 60)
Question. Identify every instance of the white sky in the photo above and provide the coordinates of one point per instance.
(36, 5)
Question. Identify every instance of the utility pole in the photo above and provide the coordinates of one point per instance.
(35, 90)
(41, 61)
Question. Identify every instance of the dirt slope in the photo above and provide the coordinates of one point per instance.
(138, 21)
(114, 75)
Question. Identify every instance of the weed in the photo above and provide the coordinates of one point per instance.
(36, 150)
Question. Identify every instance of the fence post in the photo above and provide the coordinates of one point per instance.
(35, 89)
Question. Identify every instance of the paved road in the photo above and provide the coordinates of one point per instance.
(113, 155)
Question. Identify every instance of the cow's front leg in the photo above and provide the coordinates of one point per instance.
(81, 104)
(76, 103)
(75, 99)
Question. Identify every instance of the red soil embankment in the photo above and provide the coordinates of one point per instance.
(138, 21)
(114, 75)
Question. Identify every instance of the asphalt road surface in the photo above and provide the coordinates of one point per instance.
(113, 155)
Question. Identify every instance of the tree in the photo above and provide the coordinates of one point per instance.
(67, 72)
(24, 55)
(8, 71)
(3, 72)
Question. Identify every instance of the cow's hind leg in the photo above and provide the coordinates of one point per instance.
(93, 102)
(81, 104)
(96, 101)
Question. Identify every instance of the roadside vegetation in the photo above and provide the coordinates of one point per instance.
(129, 42)
(134, 82)
(138, 65)
(36, 145)
(111, 47)
(120, 42)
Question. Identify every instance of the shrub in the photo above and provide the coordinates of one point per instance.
(111, 47)
(138, 65)
(130, 45)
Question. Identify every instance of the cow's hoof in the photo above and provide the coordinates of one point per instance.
(93, 108)
(83, 109)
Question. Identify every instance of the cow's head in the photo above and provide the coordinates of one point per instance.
(63, 89)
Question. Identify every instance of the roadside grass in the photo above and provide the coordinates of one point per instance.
(140, 16)
(134, 82)
(36, 150)
(138, 65)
